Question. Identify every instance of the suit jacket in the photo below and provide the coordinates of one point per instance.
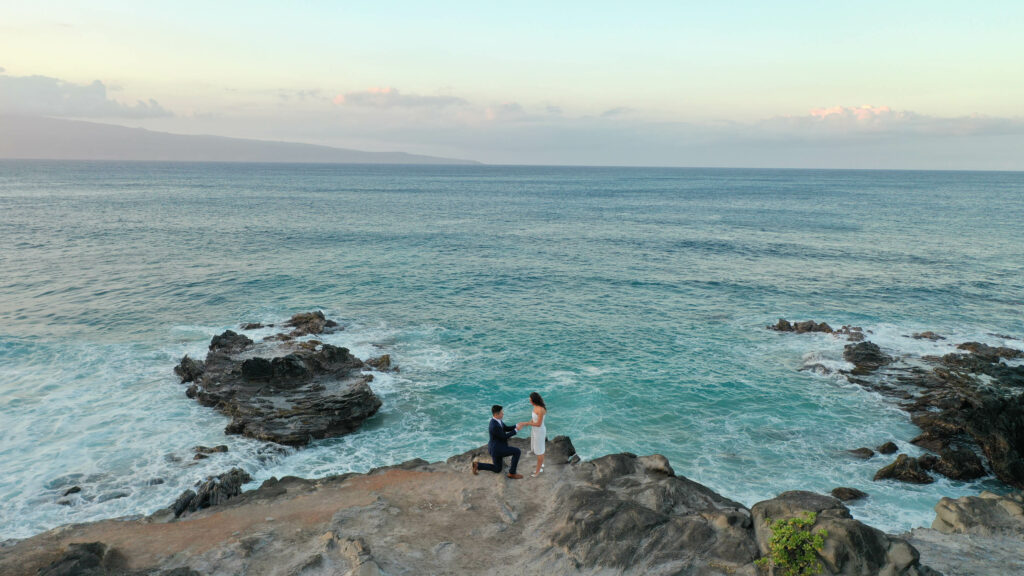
(499, 435)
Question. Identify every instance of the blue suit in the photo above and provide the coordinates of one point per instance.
(499, 448)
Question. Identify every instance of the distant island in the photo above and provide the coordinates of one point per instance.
(28, 137)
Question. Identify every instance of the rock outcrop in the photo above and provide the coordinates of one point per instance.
(851, 548)
(215, 490)
(848, 494)
(618, 514)
(905, 469)
(986, 515)
(966, 399)
(290, 391)
(866, 357)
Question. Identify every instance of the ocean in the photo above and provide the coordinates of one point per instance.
(634, 300)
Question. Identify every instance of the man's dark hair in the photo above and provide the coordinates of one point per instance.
(495, 409)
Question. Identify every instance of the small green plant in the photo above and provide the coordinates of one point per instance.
(793, 549)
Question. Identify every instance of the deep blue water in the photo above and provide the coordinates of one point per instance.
(634, 300)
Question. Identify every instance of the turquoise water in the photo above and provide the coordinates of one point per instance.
(634, 300)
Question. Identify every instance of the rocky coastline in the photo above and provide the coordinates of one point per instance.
(969, 404)
(617, 514)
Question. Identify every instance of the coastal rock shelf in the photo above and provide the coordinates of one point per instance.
(618, 514)
(282, 389)
(965, 401)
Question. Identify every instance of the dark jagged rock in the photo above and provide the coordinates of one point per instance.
(784, 325)
(72, 490)
(251, 326)
(189, 369)
(905, 469)
(929, 441)
(927, 335)
(215, 490)
(960, 465)
(310, 323)
(866, 357)
(888, 448)
(990, 353)
(230, 342)
(286, 392)
(208, 450)
(848, 494)
(927, 461)
(852, 333)
(382, 363)
(862, 453)
(852, 547)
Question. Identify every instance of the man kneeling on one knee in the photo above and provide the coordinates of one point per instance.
(498, 445)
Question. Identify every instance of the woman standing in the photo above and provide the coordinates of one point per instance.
(540, 431)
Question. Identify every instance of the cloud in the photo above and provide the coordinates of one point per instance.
(45, 96)
(389, 97)
(616, 112)
(880, 121)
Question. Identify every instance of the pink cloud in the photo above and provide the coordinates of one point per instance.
(861, 113)
(390, 97)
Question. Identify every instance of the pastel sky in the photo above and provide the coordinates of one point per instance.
(804, 84)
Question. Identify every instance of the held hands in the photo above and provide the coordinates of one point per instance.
(519, 426)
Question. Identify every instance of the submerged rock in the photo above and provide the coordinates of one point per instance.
(862, 453)
(286, 392)
(927, 335)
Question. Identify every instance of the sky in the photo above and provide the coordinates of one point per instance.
(763, 84)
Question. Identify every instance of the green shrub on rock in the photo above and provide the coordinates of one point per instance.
(793, 549)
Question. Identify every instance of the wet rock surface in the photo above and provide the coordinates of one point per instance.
(289, 392)
(618, 514)
(862, 453)
(905, 469)
(213, 491)
(848, 494)
(866, 357)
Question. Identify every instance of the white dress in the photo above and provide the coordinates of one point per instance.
(538, 435)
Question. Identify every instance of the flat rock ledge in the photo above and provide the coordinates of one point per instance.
(282, 389)
(618, 514)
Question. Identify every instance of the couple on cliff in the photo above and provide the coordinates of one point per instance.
(501, 432)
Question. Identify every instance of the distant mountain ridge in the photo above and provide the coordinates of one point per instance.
(27, 137)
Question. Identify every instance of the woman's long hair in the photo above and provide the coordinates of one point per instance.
(537, 400)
